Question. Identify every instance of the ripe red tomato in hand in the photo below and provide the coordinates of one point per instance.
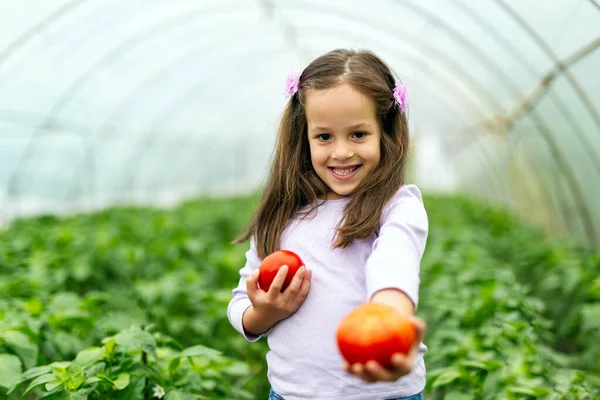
(374, 332)
(271, 264)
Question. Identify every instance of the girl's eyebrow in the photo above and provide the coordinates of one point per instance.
(363, 125)
(360, 125)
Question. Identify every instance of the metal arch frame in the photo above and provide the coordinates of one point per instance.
(542, 128)
(517, 55)
(166, 69)
(531, 101)
(26, 36)
(57, 47)
(582, 94)
(479, 55)
(507, 45)
(167, 113)
(131, 42)
(119, 109)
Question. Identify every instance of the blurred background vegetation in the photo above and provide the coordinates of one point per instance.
(134, 141)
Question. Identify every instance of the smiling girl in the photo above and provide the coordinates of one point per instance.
(336, 196)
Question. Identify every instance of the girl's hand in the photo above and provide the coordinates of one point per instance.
(274, 305)
(401, 364)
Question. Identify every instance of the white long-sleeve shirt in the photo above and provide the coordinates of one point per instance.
(303, 359)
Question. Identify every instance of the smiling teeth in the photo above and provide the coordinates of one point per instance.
(342, 172)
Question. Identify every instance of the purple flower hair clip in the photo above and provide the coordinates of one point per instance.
(292, 83)
(400, 96)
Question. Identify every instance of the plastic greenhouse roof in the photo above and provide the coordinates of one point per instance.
(138, 101)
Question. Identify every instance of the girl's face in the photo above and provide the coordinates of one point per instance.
(344, 137)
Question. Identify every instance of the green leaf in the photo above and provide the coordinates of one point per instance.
(79, 395)
(122, 381)
(208, 384)
(490, 385)
(50, 386)
(30, 374)
(89, 356)
(40, 380)
(109, 347)
(36, 371)
(457, 396)
(179, 395)
(591, 316)
(200, 350)
(138, 340)
(522, 390)
(174, 364)
(22, 346)
(474, 364)
(446, 377)
(237, 369)
(135, 390)
(10, 370)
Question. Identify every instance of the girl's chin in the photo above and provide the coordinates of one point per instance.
(336, 194)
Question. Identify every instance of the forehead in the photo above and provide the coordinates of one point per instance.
(339, 107)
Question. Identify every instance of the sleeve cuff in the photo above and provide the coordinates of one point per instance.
(236, 312)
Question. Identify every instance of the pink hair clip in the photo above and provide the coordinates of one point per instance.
(292, 83)
(400, 96)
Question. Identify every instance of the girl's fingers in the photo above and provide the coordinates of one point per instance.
(346, 367)
(297, 281)
(360, 371)
(305, 285)
(372, 371)
(252, 282)
(277, 283)
(402, 364)
(378, 372)
(420, 327)
(420, 330)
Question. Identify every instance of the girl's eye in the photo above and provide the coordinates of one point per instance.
(359, 135)
(324, 137)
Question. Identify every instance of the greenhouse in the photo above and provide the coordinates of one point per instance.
(136, 142)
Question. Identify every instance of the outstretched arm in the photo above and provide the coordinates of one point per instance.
(392, 274)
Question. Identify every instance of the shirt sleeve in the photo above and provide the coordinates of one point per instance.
(395, 261)
(240, 301)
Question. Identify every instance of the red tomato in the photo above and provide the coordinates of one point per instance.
(272, 263)
(374, 332)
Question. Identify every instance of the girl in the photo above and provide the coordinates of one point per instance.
(336, 197)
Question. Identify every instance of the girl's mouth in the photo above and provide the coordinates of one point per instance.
(344, 172)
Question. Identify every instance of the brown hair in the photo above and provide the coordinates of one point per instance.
(293, 182)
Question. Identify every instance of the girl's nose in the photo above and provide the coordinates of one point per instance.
(342, 152)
